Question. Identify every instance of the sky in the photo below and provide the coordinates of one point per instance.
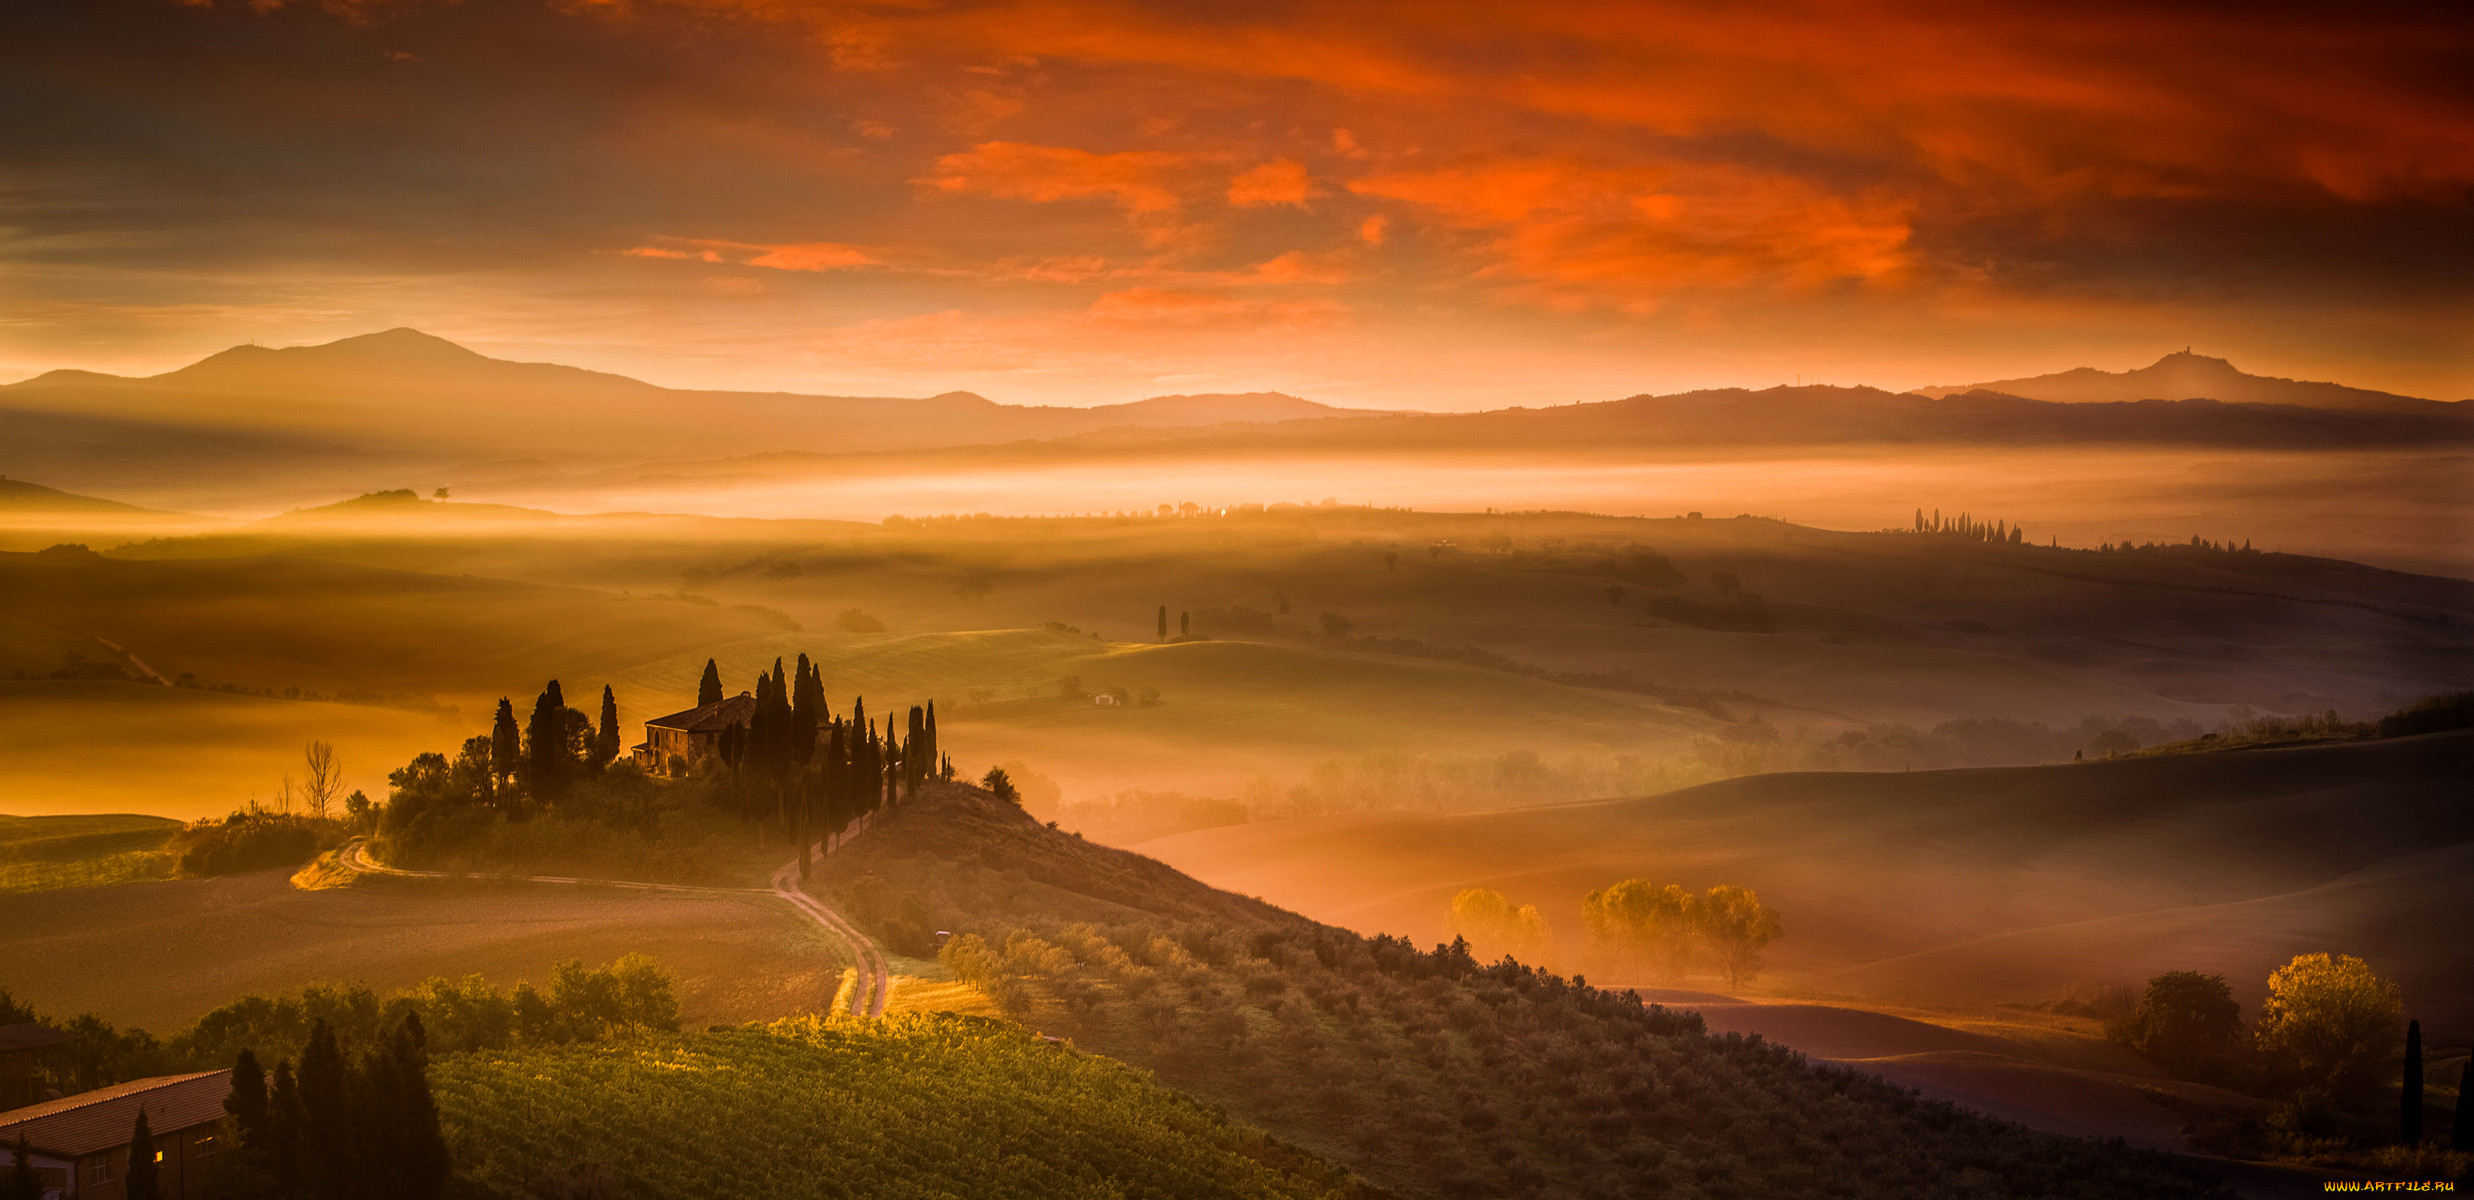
(1432, 205)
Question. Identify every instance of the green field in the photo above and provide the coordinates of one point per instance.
(909, 1106)
(40, 854)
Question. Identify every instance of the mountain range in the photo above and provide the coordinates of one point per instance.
(346, 409)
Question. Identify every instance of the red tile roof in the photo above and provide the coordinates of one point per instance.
(101, 1119)
(31, 1036)
(737, 710)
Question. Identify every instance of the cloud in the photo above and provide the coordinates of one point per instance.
(1136, 181)
(1282, 182)
(1631, 237)
(794, 256)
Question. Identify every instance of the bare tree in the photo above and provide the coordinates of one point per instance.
(326, 779)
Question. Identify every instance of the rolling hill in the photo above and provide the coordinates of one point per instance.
(1967, 887)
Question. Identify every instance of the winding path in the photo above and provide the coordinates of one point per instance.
(875, 978)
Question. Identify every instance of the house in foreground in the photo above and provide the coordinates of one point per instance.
(693, 736)
(80, 1143)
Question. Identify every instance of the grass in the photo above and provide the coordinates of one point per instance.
(910, 1106)
(39, 854)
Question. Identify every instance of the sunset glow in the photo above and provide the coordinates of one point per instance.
(1050, 201)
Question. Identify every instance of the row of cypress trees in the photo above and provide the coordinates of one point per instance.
(336, 1127)
(822, 772)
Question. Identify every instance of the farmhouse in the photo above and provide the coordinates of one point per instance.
(694, 735)
(80, 1144)
(21, 1049)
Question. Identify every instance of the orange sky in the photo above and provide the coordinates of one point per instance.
(1431, 205)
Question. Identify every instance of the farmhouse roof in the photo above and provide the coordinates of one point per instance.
(31, 1036)
(101, 1119)
(737, 710)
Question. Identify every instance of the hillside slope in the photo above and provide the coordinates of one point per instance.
(1962, 887)
(1425, 1072)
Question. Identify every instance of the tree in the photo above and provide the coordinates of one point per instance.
(2186, 1022)
(144, 1178)
(995, 781)
(1639, 923)
(545, 737)
(248, 1103)
(1163, 622)
(326, 779)
(606, 737)
(1493, 923)
(424, 1167)
(2409, 1104)
(1185, 624)
(506, 750)
(324, 1088)
(24, 1184)
(2461, 1130)
(1736, 925)
(709, 688)
(2331, 1022)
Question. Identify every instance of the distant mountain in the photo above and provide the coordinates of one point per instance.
(2187, 376)
(1828, 416)
(17, 495)
(406, 390)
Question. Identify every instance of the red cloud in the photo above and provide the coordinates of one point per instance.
(1282, 182)
(1138, 181)
(796, 256)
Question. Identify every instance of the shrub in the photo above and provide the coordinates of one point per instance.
(251, 841)
(2187, 1022)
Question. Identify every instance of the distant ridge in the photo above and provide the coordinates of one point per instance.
(2183, 375)
(17, 495)
(406, 389)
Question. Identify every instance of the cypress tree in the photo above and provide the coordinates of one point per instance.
(1163, 622)
(324, 1087)
(1185, 624)
(248, 1103)
(606, 738)
(2409, 1105)
(709, 688)
(425, 1167)
(2461, 1129)
(546, 757)
(934, 752)
(506, 750)
(285, 1121)
(24, 1184)
(144, 1180)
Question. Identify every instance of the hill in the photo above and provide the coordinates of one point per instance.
(918, 1106)
(1972, 887)
(2184, 375)
(19, 496)
(1424, 1072)
(46, 853)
